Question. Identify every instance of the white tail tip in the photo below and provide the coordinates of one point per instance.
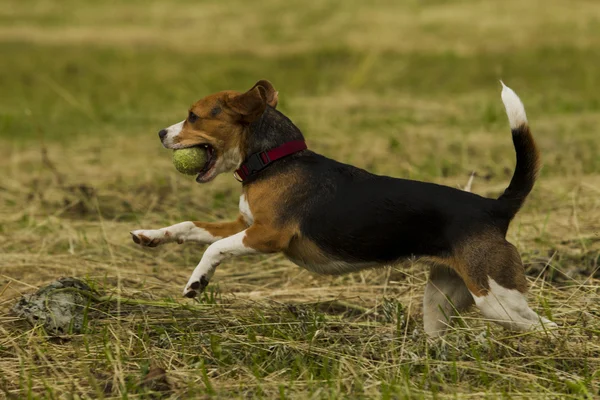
(514, 107)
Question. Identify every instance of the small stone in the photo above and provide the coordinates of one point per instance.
(59, 310)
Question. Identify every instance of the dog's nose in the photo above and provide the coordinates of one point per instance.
(162, 134)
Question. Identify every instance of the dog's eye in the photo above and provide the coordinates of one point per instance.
(192, 117)
(215, 111)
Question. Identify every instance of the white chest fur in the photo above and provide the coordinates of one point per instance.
(245, 210)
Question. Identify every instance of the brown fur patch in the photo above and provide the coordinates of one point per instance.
(268, 238)
(223, 229)
(265, 198)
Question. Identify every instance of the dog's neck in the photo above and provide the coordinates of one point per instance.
(271, 130)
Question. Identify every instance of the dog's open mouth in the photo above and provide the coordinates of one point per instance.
(207, 171)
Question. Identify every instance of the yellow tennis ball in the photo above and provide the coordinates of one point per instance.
(189, 161)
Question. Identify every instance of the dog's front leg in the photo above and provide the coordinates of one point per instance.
(199, 232)
(256, 239)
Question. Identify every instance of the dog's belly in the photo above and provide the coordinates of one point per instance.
(306, 254)
(334, 267)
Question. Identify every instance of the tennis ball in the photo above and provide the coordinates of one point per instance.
(189, 161)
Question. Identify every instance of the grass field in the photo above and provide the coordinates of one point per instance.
(404, 88)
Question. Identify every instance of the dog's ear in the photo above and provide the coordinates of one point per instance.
(271, 95)
(252, 104)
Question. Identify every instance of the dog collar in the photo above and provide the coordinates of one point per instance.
(259, 161)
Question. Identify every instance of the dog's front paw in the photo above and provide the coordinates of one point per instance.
(194, 287)
(149, 238)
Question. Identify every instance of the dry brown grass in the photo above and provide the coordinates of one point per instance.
(370, 322)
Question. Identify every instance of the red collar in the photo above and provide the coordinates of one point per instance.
(258, 161)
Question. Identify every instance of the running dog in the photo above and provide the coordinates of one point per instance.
(334, 218)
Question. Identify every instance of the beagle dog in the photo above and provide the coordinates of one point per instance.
(334, 218)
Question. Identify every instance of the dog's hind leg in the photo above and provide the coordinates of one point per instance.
(496, 279)
(509, 308)
(445, 295)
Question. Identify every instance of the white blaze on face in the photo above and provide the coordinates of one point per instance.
(172, 132)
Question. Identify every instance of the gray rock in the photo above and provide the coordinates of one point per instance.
(59, 307)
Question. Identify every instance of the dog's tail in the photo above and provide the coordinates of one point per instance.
(528, 157)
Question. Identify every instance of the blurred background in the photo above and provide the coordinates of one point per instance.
(411, 80)
(404, 88)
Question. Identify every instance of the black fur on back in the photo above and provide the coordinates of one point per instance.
(362, 217)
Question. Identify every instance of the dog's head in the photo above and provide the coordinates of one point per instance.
(219, 123)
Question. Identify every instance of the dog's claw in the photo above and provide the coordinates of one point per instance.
(135, 238)
(144, 240)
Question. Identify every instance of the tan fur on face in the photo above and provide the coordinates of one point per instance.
(221, 130)
(222, 123)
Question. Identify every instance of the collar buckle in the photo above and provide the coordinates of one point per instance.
(256, 162)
